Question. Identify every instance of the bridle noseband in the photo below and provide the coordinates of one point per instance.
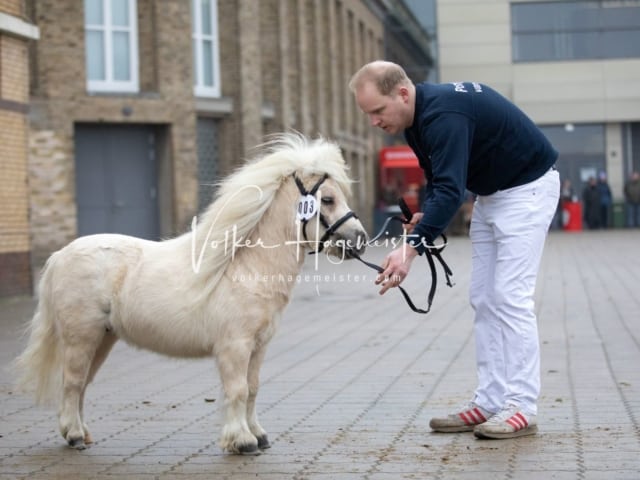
(330, 230)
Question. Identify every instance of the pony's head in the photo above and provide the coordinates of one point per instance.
(320, 174)
(326, 221)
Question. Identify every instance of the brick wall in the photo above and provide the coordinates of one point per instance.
(60, 101)
(294, 56)
(12, 7)
(15, 248)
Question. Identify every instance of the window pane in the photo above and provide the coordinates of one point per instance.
(121, 56)
(120, 13)
(582, 45)
(95, 55)
(93, 12)
(206, 17)
(621, 44)
(533, 47)
(531, 17)
(207, 63)
(621, 17)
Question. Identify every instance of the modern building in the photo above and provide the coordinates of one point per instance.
(16, 32)
(573, 66)
(138, 107)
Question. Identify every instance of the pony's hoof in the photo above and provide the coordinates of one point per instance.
(249, 450)
(263, 442)
(77, 443)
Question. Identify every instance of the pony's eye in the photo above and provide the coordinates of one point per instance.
(327, 200)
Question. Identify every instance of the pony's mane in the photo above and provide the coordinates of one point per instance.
(243, 197)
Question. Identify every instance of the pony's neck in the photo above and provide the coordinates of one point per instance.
(271, 246)
(278, 235)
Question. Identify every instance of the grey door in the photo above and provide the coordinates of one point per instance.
(116, 180)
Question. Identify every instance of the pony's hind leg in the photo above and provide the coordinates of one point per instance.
(101, 354)
(233, 363)
(253, 378)
(79, 351)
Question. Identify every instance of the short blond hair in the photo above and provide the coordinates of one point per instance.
(384, 75)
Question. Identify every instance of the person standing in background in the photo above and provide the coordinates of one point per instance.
(605, 199)
(632, 198)
(591, 204)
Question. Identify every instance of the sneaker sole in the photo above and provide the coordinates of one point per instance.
(460, 429)
(532, 430)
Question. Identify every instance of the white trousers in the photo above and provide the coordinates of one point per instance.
(508, 231)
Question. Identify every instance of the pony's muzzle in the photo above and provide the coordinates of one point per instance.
(354, 245)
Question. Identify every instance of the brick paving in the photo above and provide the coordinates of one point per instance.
(351, 380)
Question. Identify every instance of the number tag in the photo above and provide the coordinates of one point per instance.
(307, 207)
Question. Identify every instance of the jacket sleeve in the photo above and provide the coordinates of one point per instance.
(449, 138)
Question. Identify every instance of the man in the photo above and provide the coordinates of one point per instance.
(466, 135)
(632, 197)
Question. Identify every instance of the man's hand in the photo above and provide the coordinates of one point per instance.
(415, 219)
(396, 267)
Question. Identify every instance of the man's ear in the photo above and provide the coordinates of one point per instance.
(404, 93)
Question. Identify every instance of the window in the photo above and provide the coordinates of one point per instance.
(206, 59)
(111, 45)
(208, 157)
(576, 30)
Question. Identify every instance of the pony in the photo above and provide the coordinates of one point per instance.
(181, 296)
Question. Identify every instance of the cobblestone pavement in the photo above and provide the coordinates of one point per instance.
(351, 380)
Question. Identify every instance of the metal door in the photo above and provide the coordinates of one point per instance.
(116, 180)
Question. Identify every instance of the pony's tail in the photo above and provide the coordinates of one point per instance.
(39, 367)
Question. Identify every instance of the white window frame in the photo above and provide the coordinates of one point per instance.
(200, 89)
(109, 84)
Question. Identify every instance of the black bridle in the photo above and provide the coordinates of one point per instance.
(330, 230)
(431, 251)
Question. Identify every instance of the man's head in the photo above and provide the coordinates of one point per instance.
(384, 92)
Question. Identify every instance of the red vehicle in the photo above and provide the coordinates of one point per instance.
(400, 175)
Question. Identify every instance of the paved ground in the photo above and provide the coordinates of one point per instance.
(351, 380)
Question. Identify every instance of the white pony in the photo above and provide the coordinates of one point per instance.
(181, 297)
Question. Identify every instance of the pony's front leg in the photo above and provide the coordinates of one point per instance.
(233, 363)
(254, 383)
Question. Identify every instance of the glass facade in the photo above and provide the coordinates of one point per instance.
(575, 30)
(582, 150)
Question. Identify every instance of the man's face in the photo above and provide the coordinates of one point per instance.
(391, 112)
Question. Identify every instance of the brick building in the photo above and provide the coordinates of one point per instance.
(139, 106)
(15, 34)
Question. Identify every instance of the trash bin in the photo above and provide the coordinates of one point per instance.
(618, 215)
(572, 216)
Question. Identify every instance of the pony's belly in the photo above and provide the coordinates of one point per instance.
(174, 342)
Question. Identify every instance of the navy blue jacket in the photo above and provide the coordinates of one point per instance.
(469, 137)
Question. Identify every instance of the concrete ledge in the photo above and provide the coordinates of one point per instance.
(214, 107)
(18, 27)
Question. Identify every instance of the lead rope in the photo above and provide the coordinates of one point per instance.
(431, 251)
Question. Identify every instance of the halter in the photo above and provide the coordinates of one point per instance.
(330, 230)
(431, 251)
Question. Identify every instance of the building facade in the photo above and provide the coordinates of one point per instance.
(139, 106)
(573, 66)
(16, 32)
